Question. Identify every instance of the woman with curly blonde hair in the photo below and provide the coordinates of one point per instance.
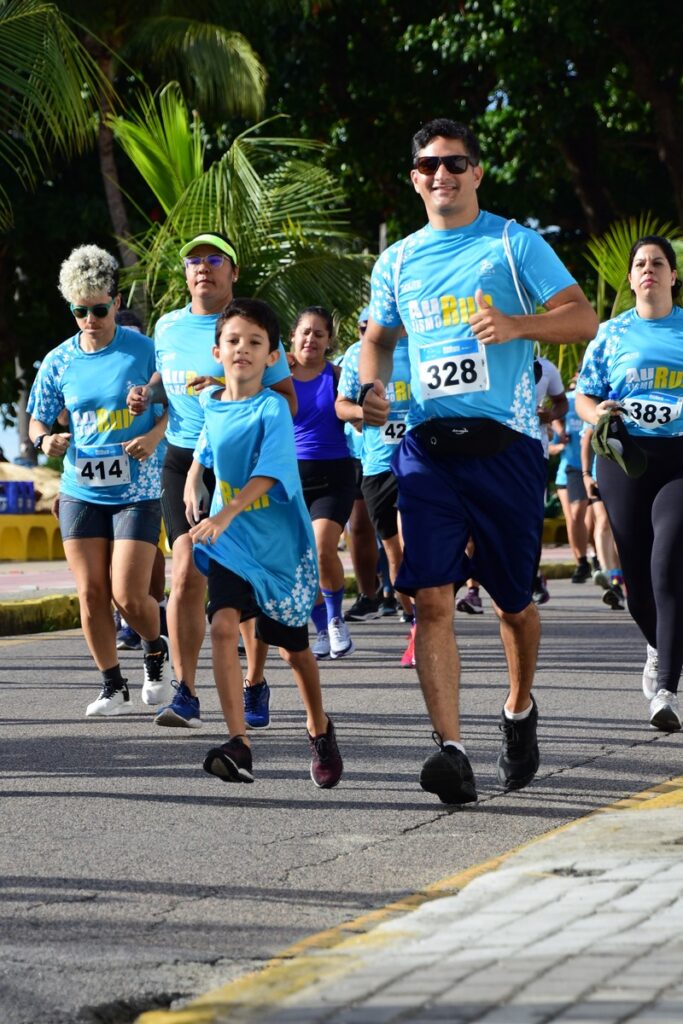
(109, 508)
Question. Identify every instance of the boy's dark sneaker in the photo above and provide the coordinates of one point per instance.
(519, 758)
(614, 598)
(257, 705)
(388, 606)
(449, 774)
(363, 609)
(230, 762)
(326, 761)
(183, 710)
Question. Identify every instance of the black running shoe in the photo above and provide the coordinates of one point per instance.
(363, 609)
(581, 573)
(230, 762)
(614, 598)
(519, 758)
(448, 774)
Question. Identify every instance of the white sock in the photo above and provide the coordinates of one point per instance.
(517, 716)
(163, 602)
(454, 743)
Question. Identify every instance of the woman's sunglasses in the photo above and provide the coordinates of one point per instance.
(100, 310)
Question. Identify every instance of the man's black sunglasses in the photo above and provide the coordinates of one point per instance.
(456, 164)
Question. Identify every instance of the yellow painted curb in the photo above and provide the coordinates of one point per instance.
(39, 615)
(337, 951)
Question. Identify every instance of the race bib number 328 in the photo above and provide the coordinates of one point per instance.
(451, 368)
(102, 466)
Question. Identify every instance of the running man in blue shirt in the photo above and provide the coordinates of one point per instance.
(466, 286)
(257, 547)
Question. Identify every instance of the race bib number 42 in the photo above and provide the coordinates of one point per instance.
(451, 368)
(393, 430)
(102, 466)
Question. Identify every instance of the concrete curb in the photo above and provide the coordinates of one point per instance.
(62, 611)
(39, 615)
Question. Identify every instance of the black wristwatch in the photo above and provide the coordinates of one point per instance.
(38, 443)
(364, 388)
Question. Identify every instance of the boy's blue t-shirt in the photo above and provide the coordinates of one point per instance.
(271, 543)
(93, 386)
(184, 342)
(571, 454)
(640, 362)
(439, 273)
(379, 443)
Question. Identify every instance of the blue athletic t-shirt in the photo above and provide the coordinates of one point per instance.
(184, 342)
(641, 363)
(439, 273)
(379, 443)
(354, 438)
(93, 386)
(270, 544)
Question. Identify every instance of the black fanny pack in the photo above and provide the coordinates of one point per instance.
(462, 436)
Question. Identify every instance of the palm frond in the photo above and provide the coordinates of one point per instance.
(216, 66)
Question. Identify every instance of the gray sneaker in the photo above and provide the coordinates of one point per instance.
(650, 673)
(664, 713)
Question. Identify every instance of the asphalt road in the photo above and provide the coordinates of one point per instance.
(131, 879)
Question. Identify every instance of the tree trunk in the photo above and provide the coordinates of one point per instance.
(26, 449)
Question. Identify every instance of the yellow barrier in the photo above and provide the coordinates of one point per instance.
(37, 538)
(555, 531)
(30, 538)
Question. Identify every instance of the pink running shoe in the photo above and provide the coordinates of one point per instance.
(408, 659)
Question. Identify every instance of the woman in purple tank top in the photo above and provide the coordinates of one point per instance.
(326, 469)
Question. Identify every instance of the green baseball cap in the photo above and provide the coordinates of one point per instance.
(217, 241)
(612, 440)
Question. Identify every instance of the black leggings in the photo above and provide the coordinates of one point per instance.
(647, 521)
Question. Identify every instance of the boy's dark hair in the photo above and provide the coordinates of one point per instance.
(444, 128)
(129, 318)
(260, 313)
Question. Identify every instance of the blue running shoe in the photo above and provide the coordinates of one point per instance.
(182, 712)
(127, 639)
(257, 705)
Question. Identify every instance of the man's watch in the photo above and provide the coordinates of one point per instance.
(38, 443)
(364, 388)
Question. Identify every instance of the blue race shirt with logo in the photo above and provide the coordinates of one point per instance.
(379, 443)
(640, 363)
(271, 543)
(93, 386)
(184, 350)
(439, 273)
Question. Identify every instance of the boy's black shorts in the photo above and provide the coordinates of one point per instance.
(381, 494)
(228, 590)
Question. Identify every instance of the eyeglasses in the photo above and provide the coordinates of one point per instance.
(456, 164)
(100, 310)
(213, 260)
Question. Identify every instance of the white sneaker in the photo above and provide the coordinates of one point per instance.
(110, 702)
(156, 685)
(321, 647)
(664, 713)
(650, 674)
(341, 643)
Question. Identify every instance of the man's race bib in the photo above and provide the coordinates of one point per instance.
(393, 431)
(104, 465)
(652, 411)
(450, 368)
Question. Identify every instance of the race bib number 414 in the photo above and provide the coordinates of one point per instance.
(105, 465)
(451, 368)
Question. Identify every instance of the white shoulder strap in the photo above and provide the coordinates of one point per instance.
(522, 294)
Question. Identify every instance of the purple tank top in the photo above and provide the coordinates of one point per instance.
(318, 432)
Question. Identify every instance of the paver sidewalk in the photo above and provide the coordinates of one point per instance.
(585, 924)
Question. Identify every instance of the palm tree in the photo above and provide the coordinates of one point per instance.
(288, 223)
(50, 87)
(217, 66)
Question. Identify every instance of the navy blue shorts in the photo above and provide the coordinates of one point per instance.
(138, 520)
(497, 500)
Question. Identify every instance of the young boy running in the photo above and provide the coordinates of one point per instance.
(257, 546)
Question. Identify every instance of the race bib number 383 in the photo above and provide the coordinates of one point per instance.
(450, 368)
(105, 465)
(652, 411)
